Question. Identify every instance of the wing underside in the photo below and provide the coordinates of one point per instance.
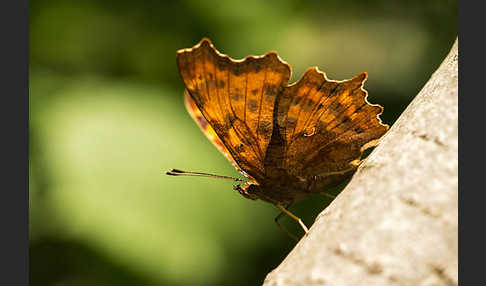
(267, 128)
(236, 98)
(325, 124)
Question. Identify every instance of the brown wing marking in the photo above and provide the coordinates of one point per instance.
(197, 116)
(326, 124)
(236, 98)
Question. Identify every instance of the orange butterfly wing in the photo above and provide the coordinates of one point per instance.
(314, 130)
(325, 125)
(197, 116)
(237, 99)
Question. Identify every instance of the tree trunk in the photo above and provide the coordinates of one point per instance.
(396, 222)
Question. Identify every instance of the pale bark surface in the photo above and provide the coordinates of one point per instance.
(396, 222)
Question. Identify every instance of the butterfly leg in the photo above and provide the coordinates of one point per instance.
(287, 212)
(281, 226)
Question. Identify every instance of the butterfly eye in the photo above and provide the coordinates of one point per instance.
(248, 191)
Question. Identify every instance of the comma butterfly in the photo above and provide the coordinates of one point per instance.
(288, 140)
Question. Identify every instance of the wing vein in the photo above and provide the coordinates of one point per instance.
(221, 106)
(342, 119)
(246, 92)
(311, 152)
(300, 110)
(206, 81)
(315, 108)
(325, 102)
(260, 111)
(347, 107)
(322, 110)
(229, 97)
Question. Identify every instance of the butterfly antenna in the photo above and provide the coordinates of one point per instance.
(176, 172)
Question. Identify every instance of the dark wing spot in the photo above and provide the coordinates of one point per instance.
(254, 91)
(257, 66)
(291, 122)
(220, 129)
(223, 64)
(222, 84)
(236, 96)
(270, 92)
(237, 70)
(265, 128)
(308, 105)
(202, 122)
(321, 126)
(336, 108)
(252, 105)
(240, 148)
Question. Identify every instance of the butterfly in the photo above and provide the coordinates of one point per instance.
(288, 141)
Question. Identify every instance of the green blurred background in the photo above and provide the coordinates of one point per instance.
(107, 118)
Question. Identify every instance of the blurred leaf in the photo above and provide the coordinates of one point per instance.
(108, 146)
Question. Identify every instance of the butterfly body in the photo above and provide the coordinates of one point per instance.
(288, 140)
(287, 188)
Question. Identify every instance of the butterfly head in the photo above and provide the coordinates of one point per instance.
(249, 190)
